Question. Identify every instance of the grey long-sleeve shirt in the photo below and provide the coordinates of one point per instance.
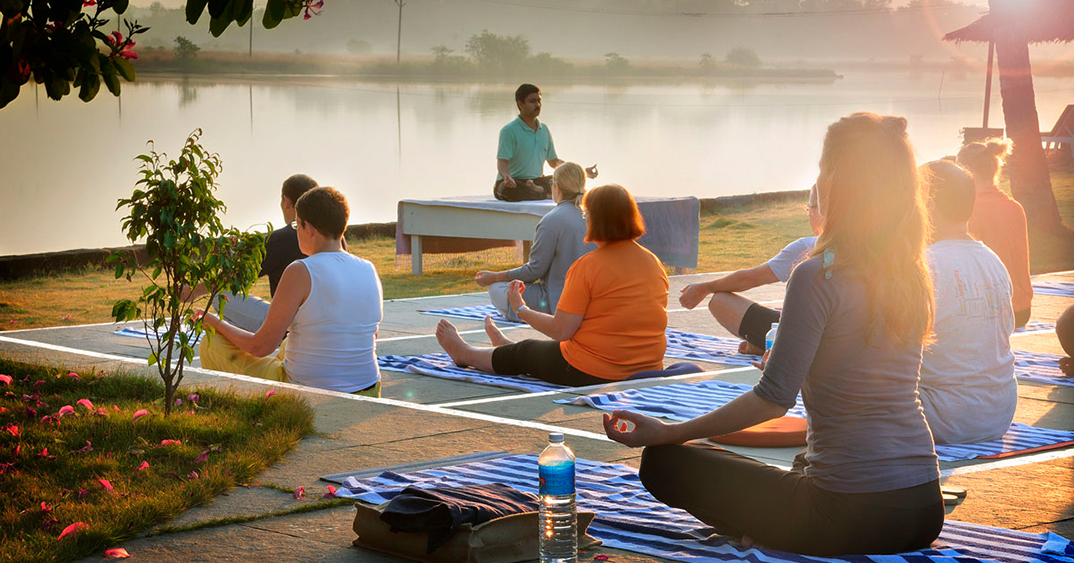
(560, 240)
(867, 432)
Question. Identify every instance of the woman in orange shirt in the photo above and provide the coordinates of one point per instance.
(998, 220)
(611, 317)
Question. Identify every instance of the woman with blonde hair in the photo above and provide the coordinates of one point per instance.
(850, 338)
(998, 220)
(559, 241)
(611, 317)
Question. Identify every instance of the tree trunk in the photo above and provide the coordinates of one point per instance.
(1028, 168)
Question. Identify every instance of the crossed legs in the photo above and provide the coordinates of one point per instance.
(744, 318)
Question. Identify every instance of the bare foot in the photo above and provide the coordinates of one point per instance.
(448, 337)
(495, 334)
(745, 347)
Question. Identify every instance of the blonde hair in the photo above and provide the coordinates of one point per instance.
(875, 221)
(984, 158)
(570, 179)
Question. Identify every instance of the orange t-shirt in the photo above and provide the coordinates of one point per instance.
(1000, 223)
(621, 291)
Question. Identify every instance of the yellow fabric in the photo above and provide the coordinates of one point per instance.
(373, 391)
(620, 290)
(220, 354)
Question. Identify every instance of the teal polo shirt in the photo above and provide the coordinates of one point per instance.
(524, 149)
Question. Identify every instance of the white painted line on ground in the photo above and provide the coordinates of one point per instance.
(1032, 332)
(416, 336)
(610, 386)
(405, 299)
(437, 409)
(67, 326)
(1052, 274)
(1009, 462)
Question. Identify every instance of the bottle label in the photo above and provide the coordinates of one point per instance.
(557, 479)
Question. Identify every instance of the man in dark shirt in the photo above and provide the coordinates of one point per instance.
(281, 248)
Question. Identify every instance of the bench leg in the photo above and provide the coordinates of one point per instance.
(415, 255)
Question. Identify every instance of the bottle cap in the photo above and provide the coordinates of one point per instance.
(555, 438)
(775, 325)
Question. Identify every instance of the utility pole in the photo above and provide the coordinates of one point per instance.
(399, 36)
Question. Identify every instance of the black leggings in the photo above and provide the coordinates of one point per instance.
(788, 511)
(541, 359)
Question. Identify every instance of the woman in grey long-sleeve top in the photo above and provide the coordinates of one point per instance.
(850, 339)
(560, 240)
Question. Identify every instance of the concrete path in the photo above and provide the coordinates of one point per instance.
(420, 418)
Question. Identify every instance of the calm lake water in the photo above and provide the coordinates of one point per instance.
(66, 163)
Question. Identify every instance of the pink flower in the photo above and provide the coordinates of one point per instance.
(65, 410)
(143, 466)
(116, 553)
(44, 453)
(139, 414)
(13, 430)
(104, 483)
(192, 475)
(38, 383)
(77, 526)
(45, 508)
(171, 443)
(269, 394)
(5, 379)
(178, 401)
(74, 376)
(82, 493)
(85, 403)
(85, 449)
(88, 3)
(67, 317)
(300, 493)
(31, 413)
(331, 492)
(193, 398)
(201, 458)
(115, 407)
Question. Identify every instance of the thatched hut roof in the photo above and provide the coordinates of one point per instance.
(1045, 21)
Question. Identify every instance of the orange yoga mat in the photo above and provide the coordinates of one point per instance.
(784, 432)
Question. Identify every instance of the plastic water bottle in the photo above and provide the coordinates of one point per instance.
(770, 338)
(558, 519)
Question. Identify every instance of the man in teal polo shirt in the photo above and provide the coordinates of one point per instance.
(525, 145)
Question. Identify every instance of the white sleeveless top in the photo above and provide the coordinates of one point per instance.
(332, 344)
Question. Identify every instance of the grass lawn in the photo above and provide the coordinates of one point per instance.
(729, 239)
(73, 450)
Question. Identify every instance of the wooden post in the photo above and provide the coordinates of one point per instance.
(415, 255)
(988, 82)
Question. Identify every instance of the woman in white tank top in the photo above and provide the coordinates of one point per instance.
(329, 305)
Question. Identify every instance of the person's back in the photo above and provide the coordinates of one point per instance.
(621, 292)
(565, 228)
(968, 389)
(331, 344)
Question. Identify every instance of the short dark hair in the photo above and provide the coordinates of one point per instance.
(1064, 330)
(326, 209)
(524, 92)
(951, 190)
(613, 215)
(296, 185)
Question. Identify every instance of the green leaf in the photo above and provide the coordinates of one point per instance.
(119, 271)
(111, 80)
(125, 68)
(244, 9)
(273, 14)
(194, 8)
(153, 358)
(91, 84)
(120, 6)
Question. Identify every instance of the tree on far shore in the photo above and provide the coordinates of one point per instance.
(185, 50)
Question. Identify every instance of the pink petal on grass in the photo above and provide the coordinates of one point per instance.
(201, 458)
(85, 449)
(143, 466)
(269, 394)
(140, 413)
(13, 430)
(115, 407)
(65, 410)
(104, 483)
(116, 553)
(45, 508)
(72, 530)
(5, 379)
(331, 492)
(74, 376)
(85, 403)
(193, 398)
(178, 401)
(170, 443)
(300, 493)
(82, 493)
(192, 475)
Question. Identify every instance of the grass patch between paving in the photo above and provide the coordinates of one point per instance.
(51, 466)
(732, 238)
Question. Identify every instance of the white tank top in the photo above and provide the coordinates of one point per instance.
(332, 344)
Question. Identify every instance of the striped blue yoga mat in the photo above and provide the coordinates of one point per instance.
(1035, 326)
(629, 518)
(694, 346)
(1062, 289)
(472, 313)
(1040, 368)
(440, 365)
(684, 401)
